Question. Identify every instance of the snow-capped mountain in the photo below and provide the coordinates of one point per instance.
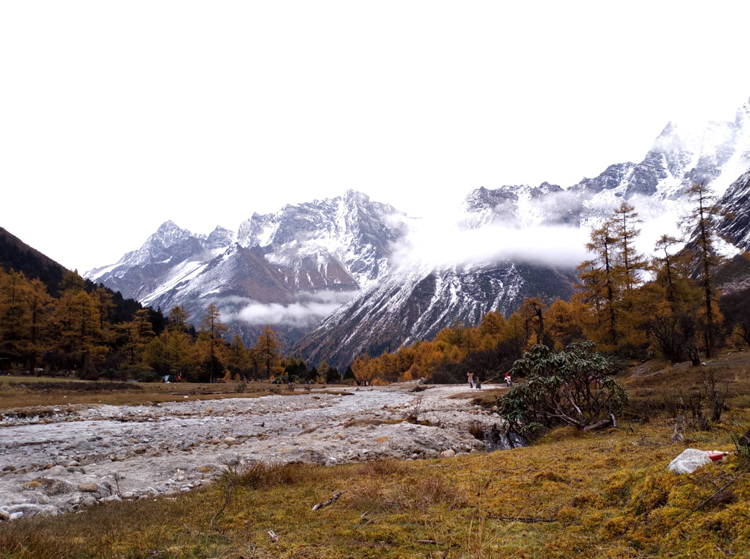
(141, 273)
(350, 230)
(415, 304)
(679, 157)
(302, 255)
(333, 260)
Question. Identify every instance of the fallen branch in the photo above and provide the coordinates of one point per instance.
(599, 425)
(430, 542)
(230, 485)
(329, 501)
(527, 519)
(704, 503)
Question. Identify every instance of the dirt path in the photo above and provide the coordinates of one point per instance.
(72, 457)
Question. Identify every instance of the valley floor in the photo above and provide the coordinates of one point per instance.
(67, 458)
(605, 494)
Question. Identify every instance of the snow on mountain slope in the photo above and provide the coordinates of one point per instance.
(735, 225)
(337, 245)
(351, 230)
(413, 305)
(140, 272)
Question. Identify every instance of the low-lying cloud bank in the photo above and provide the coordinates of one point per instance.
(309, 309)
(442, 243)
(445, 241)
(527, 237)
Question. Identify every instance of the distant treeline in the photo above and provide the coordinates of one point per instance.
(90, 332)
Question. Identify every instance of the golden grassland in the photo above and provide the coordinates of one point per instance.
(602, 494)
(21, 392)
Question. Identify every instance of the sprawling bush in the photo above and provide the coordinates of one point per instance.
(572, 387)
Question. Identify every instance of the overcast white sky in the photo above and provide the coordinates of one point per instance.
(117, 116)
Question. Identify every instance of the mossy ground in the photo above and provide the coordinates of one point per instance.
(602, 494)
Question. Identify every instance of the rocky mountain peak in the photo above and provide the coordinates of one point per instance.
(354, 197)
(219, 238)
(167, 235)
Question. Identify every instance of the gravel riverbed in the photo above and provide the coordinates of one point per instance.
(66, 458)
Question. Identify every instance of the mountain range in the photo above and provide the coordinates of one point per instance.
(338, 278)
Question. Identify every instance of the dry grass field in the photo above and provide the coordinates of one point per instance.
(21, 392)
(602, 494)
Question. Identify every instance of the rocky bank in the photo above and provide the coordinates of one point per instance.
(65, 459)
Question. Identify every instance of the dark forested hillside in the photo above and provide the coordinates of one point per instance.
(17, 255)
(20, 257)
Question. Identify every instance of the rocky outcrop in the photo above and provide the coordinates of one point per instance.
(734, 225)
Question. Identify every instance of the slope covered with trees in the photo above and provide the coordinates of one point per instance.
(81, 332)
(631, 307)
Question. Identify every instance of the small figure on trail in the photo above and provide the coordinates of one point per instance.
(471, 379)
(508, 379)
(479, 383)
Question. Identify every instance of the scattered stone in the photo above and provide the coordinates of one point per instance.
(82, 444)
(27, 509)
(88, 501)
(450, 453)
(57, 471)
(150, 444)
(51, 486)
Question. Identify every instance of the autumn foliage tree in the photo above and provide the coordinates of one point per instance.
(701, 225)
(267, 352)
